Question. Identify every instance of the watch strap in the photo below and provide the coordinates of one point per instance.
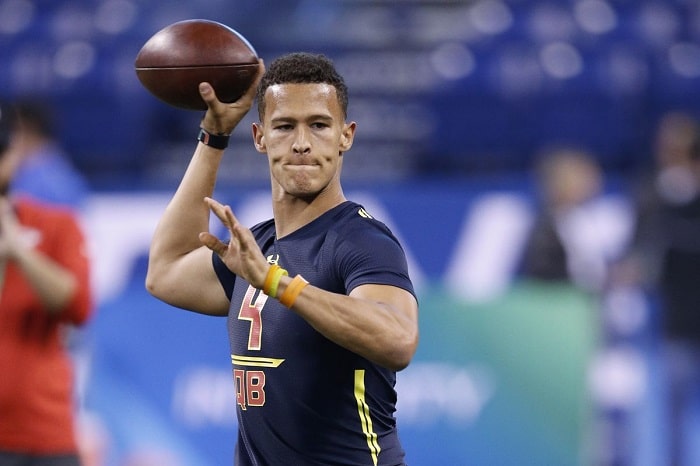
(213, 140)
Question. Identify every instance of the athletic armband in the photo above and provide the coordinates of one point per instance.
(272, 280)
(293, 290)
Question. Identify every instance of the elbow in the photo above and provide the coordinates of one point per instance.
(152, 282)
(157, 270)
(149, 284)
(161, 285)
(83, 305)
(77, 306)
(403, 354)
(398, 365)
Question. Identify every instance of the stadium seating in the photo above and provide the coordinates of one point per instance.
(488, 81)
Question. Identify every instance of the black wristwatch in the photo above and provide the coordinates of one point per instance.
(213, 140)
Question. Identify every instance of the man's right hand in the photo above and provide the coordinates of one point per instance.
(221, 118)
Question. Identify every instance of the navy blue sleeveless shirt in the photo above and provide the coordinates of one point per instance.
(302, 399)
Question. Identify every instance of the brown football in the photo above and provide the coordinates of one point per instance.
(173, 62)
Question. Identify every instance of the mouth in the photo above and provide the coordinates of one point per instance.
(301, 166)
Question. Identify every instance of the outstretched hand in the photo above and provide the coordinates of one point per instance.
(242, 255)
(221, 118)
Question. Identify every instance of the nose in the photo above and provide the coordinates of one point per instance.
(302, 144)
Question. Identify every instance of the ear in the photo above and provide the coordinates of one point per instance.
(259, 138)
(347, 136)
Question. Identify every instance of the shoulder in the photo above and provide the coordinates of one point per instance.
(358, 239)
(365, 251)
(354, 224)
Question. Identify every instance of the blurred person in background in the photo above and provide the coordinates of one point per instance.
(44, 289)
(45, 171)
(580, 231)
(664, 259)
(575, 234)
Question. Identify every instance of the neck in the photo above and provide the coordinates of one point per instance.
(292, 213)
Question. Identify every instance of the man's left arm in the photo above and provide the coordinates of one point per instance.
(378, 322)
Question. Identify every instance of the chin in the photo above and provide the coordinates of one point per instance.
(305, 194)
(306, 191)
(302, 186)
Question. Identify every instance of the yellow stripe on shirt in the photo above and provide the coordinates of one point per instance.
(365, 419)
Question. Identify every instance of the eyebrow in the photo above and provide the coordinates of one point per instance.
(314, 117)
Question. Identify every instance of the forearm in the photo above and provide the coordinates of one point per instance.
(384, 331)
(186, 214)
(54, 284)
(179, 266)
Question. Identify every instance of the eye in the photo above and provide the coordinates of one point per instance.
(319, 125)
(283, 127)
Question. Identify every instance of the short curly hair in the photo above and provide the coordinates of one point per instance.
(302, 68)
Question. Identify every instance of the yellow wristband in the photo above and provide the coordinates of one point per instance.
(272, 280)
(293, 289)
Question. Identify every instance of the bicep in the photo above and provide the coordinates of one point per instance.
(190, 282)
(391, 324)
(399, 300)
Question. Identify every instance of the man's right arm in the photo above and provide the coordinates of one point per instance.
(180, 270)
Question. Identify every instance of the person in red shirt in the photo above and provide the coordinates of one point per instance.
(44, 288)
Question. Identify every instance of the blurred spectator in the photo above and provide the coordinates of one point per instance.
(665, 259)
(44, 290)
(45, 171)
(576, 232)
(579, 233)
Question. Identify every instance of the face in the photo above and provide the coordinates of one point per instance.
(574, 181)
(304, 135)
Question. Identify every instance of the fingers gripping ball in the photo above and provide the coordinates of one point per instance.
(173, 62)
